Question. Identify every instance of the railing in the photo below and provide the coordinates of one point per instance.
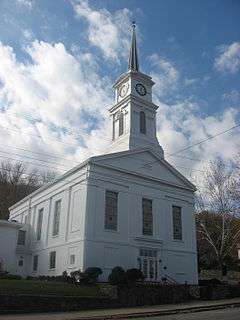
(169, 279)
(165, 279)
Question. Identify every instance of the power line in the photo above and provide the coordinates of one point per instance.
(48, 155)
(68, 144)
(40, 160)
(75, 132)
(198, 170)
(67, 167)
(196, 144)
(34, 164)
(33, 174)
(38, 136)
(199, 160)
(204, 140)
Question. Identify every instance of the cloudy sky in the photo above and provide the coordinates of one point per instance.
(59, 59)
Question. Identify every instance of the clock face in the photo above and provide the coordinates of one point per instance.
(123, 90)
(141, 89)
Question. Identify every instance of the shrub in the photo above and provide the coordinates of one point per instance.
(209, 282)
(89, 276)
(31, 278)
(76, 275)
(133, 275)
(65, 275)
(117, 276)
(7, 275)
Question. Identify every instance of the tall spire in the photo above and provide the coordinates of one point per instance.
(133, 57)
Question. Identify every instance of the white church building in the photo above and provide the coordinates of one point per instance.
(128, 207)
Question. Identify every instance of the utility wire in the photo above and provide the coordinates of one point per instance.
(32, 163)
(48, 155)
(74, 132)
(40, 160)
(196, 144)
(204, 140)
(68, 144)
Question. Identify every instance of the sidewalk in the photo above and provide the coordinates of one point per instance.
(128, 313)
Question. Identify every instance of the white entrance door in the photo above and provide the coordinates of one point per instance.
(148, 264)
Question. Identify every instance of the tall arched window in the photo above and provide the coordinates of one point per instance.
(121, 124)
(142, 122)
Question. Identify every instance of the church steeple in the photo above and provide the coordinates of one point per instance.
(134, 114)
(133, 57)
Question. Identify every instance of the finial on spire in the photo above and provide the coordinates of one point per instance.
(133, 57)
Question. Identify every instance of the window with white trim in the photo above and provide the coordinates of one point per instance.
(142, 122)
(35, 262)
(72, 259)
(21, 237)
(147, 220)
(20, 263)
(56, 218)
(177, 222)
(121, 123)
(111, 210)
(52, 260)
(39, 223)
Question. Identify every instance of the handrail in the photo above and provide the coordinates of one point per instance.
(172, 280)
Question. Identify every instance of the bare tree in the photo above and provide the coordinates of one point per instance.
(16, 182)
(218, 221)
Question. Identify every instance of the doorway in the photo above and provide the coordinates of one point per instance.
(149, 264)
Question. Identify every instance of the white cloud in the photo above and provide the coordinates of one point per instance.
(61, 91)
(189, 82)
(27, 3)
(182, 124)
(109, 32)
(27, 34)
(232, 97)
(165, 75)
(229, 59)
(67, 96)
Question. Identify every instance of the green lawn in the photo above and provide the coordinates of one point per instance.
(36, 287)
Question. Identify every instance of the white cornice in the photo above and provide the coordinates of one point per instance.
(10, 224)
(50, 184)
(140, 102)
(133, 75)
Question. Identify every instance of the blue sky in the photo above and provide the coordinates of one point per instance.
(191, 48)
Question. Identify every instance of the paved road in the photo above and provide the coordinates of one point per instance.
(221, 314)
(225, 314)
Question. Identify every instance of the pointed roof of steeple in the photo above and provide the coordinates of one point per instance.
(133, 57)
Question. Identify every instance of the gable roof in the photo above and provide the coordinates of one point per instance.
(112, 159)
(98, 160)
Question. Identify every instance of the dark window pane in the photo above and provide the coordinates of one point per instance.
(39, 224)
(177, 222)
(142, 122)
(20, 263)
(35, 263)
(147, 217)
(21, 237)
(121, 124)
(111, 210)
(56, 218)
(52, 260)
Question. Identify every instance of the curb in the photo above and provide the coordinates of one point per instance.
(160, 312)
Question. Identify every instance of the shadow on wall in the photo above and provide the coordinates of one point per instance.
(1, 265)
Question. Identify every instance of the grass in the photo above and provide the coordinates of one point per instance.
(37, 287)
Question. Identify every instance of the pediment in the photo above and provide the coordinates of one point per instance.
(145, 163)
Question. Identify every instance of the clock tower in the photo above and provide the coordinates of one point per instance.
(134, 114)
